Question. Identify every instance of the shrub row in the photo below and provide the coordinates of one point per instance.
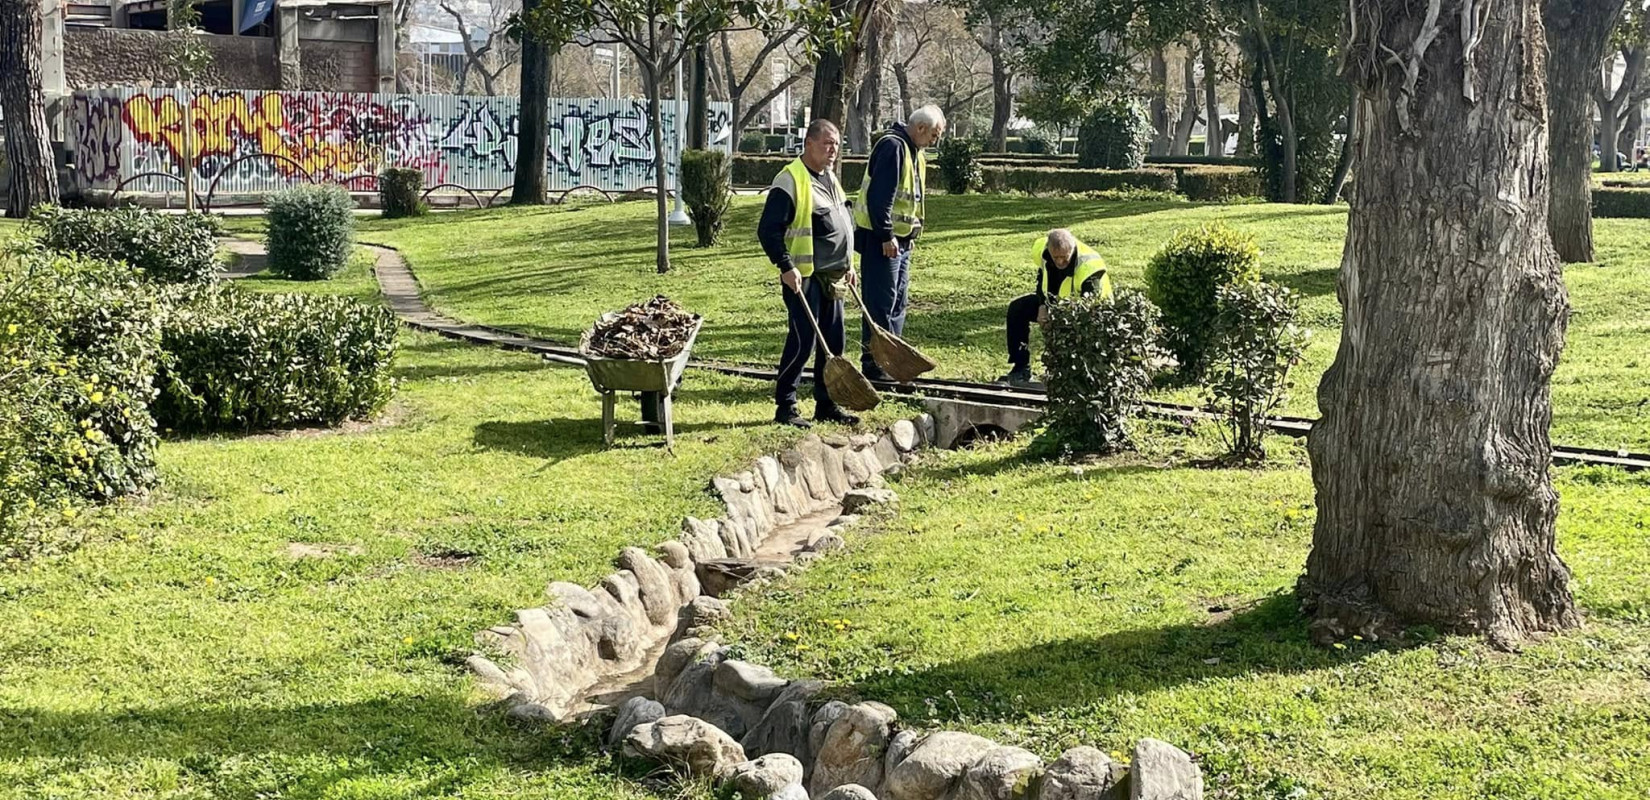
(168, 248)
(1196, 183)
(1621, 202)
(238, 360)
(1044, 180)
(759, 171)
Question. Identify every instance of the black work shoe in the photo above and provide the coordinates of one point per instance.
(836, 415)
(788, 416)
(875, 373)
(1017, 375)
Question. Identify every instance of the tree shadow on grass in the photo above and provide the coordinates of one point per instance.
(559, 439)
(1310, 283)
(1266, 637)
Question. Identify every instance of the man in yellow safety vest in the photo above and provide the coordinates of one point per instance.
(807, 231)
(1066, 268)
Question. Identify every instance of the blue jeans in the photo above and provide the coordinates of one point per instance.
(885, 283)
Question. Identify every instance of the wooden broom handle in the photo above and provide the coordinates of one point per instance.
(863, 311)
(803, 296)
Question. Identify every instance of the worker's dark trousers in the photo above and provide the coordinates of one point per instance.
(800, 344)
(1022, 311)
(885, 284)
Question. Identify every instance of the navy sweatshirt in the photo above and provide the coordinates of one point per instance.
(883, 172)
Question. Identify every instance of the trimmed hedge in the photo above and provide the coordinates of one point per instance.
(1202, 161)
(399, 193)
(238, 360)
(1621, 202)
(706, 192)
(167, 248)
(1114, 135)
(759, 171)
(311, 232)
(1043, 180)
(1216, 184)
(1184, 279)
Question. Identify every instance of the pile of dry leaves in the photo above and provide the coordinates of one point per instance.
(656, 329)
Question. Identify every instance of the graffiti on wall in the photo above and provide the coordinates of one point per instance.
(257, 141)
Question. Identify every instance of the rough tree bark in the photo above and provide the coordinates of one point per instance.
(1214, 143)
(868, 98)
(1343, 163)
(1158, 106)
(1614, 103)
(836, 68)
(655, 118)
(1579, 29)
(699, 98)
(1288, 141)
(745, 114)
(1188, 106)
(991, 37)
(22, 104)
(533, 128)
(1246, 117)
(1431, 460)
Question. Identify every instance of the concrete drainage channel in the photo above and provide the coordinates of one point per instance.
(641, 642)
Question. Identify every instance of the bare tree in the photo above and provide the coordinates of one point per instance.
(497, 52)
(738, 85)
(913, 31)
(1616, 100)
(994, 35)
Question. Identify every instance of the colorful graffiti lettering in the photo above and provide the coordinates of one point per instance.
(258, 141)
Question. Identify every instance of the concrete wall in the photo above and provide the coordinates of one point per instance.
(105, 57)
(338, 66)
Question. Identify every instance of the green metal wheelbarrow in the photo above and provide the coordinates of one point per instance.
(659, 378)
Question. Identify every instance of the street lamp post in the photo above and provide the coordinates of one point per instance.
(679, 215)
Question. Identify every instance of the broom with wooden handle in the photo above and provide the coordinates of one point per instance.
(896, 356)
(843, 382)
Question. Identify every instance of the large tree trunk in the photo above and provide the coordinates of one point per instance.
(1002, 101)
(23, 105)
(1246, 117)
(533, 128)
(1431, 459)
(1188, 107)
(863, 122)
(1580, 30)
(1288, 141)
(1343, 164)
(1158, 107)
(836, 69)
(1214, 140)
(655, 118)
(699, 98)
(1629, 136)
(902, 78)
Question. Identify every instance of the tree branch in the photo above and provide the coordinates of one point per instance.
(755, 107)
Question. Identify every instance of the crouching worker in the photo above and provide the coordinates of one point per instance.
(1066, 268)
(807, 232)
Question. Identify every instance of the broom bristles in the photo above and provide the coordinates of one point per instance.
(897, 357)
(848, 387)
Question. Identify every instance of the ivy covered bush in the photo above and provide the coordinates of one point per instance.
(1184, 280)
(1101, 356)
(1115, 135)
(311, 232)
(238, 360)
(957, 160)
(167, 248)
(79, 343)
(400, 191)
(1256, 343)
(708, 192)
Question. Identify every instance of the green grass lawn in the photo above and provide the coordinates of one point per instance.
(184, 652)
(551, 271)
(1047, 606)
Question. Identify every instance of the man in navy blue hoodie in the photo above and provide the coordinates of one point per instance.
(888, 220)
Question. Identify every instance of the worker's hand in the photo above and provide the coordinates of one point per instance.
(890, 248)
(852, 277)
(1042, 316)
(792, 280)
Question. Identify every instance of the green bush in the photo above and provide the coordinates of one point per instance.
(168, 248)
(1035, 141)
(311, 232)
(400, 191)
(707, 192)
(1202, 161)
(1184, 280)
(1100, 355)
(1256, 344)
(751, 142)
(1614, 202)
(959, 171)
(1044, 180)
(1115, 135)
(1215, 184)
(237, 360)
(80, 340)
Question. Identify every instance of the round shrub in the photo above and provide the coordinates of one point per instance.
(1256, 344)
(238, 360)
(957, 160)
(166, 248)
(707, 191)
(1184, 280)
(399, 193)
(311, 232)
(1100, 355)
(1115, 135)
(752, 142)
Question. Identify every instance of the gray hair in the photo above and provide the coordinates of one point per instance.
(1061, 241)
(929, 116)
(818, 128)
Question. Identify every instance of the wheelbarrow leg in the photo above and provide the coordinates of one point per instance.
(667, 406)
(607, 418)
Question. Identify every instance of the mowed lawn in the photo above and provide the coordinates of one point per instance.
(286, 617)
(1050, 605)
(550, 272)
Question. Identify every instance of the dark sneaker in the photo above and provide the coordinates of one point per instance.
(875, 373)
(788, 416)
(1017, 375)
(836, 415)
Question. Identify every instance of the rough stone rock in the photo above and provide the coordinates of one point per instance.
(685, 742)
(836, 476)
(1004, 773)
(863, 440)
(558, 651)
(887, 452)
(857, 468)
(633, 712)
(1084, 773)
(926, 428)
(861, 499)
(821, 723)
(767, 472)
(702, 538)
(845, 521)
(717, 578)
(1162, 771)
(826, 543)
(616, 637)
(853, 748)
(836, 440)
(733, 539)
(675, 555)
(936, 765)
(529, 711)
(654, 583)
(763, 777)
(626, 592)
(877, 482)
(705, 611)
(813, 467)
(747, 481)
(899, 749)
(805, 560)
(784, 727)
(576, 598)
(851, 791)
(904, 434)
(792, 792)
(674, 659)
(893, 471)
(748, 681)
(694, 693)
(686, 582)
(493, 679)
